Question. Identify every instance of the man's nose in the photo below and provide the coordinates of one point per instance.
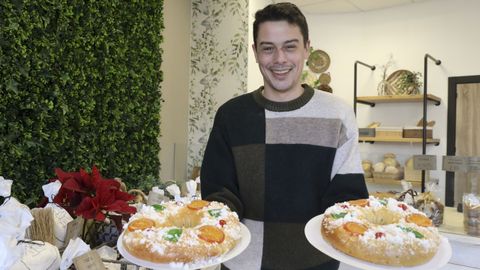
(280, 56)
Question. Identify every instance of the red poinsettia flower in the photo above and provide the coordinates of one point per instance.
(108, 198)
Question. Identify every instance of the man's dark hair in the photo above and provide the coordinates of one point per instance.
(281, 12)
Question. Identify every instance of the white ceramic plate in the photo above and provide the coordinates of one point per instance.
(314, 236)
(239, 248)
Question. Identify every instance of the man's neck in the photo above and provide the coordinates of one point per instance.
(279, 96)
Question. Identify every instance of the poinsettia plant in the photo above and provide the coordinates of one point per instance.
(91, 196)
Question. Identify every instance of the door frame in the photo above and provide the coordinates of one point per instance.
(451, 130)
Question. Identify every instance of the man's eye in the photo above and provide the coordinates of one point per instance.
(267, 49)
(291, 47)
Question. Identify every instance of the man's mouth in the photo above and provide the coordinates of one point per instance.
(281, 71)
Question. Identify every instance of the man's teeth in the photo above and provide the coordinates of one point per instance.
(283, 71)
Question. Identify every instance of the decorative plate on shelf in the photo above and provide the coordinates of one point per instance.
(318, 61)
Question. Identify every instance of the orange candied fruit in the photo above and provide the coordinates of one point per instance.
(359, 202)
(419, 219)
(197, 204)
(141, 224)
(211, 234)
(355, 228)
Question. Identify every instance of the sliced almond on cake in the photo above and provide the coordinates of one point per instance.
(141, 224)
(197, 204)
(211, 234)
(419, 219)
(355, 228)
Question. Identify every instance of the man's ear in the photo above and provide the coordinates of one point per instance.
(307, 47)
(255, 52)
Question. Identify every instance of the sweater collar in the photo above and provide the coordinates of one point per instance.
(286, 105)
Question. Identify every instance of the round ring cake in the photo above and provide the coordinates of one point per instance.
(381, 231)
(176, 232)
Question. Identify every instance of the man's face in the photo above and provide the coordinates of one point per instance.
(280, 54)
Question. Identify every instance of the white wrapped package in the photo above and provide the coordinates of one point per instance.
(14, 220)
(76, 247)
(191, 188)
(38, 255)
(60, 216)
(174, 190)
(5, 187)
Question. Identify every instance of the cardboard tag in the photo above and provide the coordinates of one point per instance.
(455, 164)
(74, 229)
(89, 260)
(473, 164)
(424, 162)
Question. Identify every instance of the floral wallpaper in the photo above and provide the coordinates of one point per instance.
(218, 67)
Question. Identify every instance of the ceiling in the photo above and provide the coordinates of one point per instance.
(345, 6)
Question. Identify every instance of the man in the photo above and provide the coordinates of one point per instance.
(282, 154)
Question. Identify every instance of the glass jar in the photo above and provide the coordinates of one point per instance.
(471, 213)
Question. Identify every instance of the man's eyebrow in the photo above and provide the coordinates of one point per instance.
(288, 41)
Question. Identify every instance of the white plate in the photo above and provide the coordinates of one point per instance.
(239, 248)
(314, 236)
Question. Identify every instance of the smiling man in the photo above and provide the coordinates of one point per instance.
(282, 154)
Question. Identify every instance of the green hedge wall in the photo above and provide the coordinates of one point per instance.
(79, 84)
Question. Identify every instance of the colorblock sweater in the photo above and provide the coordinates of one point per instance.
(279, 164)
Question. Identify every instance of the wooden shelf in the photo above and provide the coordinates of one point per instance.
(372, 100)
(398, 140)
(383, 181)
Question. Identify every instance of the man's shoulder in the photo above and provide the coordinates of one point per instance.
(329, 99)
(241, 101)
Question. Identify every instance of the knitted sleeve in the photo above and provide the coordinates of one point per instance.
(218, 178)
(347, 180)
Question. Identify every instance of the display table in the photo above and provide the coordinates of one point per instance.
(466, 249)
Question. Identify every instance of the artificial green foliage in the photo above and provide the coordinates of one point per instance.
(79, 87)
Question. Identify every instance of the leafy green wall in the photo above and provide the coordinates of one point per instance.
(79, 85)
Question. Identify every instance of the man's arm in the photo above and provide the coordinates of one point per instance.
(218, 175)
(347, 181)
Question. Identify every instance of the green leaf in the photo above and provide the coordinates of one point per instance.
(408, 229)
(158, 207)
(339, 215)
(215, 212)
(173, 235)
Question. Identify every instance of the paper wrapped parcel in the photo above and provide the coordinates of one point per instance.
(174, 190)
(14, 220)
(60, 216)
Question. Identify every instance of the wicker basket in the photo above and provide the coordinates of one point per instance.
(384, 175)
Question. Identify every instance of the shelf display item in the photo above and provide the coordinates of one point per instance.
(430, 204)
(181, 232)
(381, 231)
(417, 132)
(318, 61)
(403, 82)
(471, 214)
(389, 132)
(367, 168)
(389, 168)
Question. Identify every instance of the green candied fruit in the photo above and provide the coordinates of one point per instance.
(173, 235)
(339, 215)
(416, 233)
(215, 212)
(383, 202)
(158, 207)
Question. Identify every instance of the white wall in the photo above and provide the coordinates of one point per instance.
(176, 68)
(446, 29)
